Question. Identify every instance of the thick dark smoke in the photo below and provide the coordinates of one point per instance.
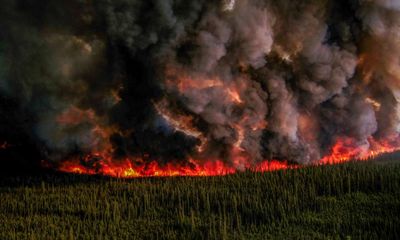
(170, 80)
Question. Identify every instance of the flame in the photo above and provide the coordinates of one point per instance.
(344, 150)
(136, 168)
(102, 162)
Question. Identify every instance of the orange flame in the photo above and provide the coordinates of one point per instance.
(346, 150)
(343, 151)
(102, 162)
(129, 168)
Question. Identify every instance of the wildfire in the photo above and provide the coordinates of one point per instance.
(345, 150)
(103, 164)
(134, 168)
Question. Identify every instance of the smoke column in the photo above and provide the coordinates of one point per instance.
(171, 80)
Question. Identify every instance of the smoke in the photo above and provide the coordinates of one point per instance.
(173, 80)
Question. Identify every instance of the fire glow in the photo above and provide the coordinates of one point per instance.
(202, 88)
(103, 162)
(128, 169)
(343, 151)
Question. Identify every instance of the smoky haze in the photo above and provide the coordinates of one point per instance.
(171, 80)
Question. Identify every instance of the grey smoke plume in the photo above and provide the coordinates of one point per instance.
(169, 80)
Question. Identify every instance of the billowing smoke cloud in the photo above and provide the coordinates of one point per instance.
(170, 80)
